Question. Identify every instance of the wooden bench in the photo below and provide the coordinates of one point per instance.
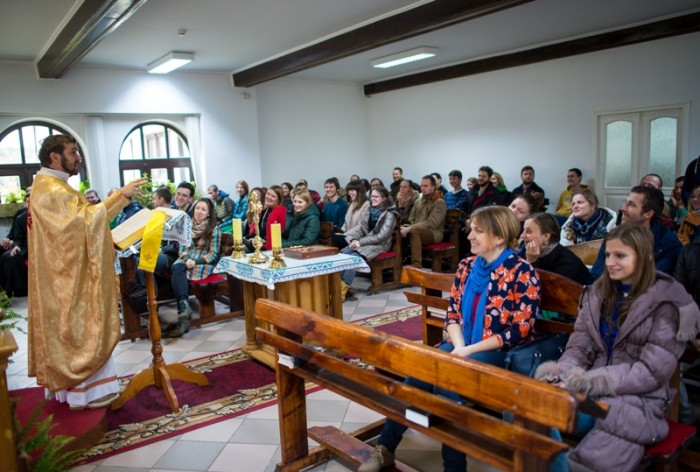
(523, 445)
(391, 262)
(445, 253)
(228, 290)
(558, 294)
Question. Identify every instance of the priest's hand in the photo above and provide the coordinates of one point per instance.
(133, 188)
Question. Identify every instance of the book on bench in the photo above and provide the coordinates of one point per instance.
(421, 417)
(131, 231)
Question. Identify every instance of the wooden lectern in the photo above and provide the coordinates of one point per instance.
(160, 374)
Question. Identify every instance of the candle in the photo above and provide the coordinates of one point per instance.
(276, 229)
(237, 231)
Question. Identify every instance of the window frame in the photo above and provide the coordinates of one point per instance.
(146, 165)
(27, 171)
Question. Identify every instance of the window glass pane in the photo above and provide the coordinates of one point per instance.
(662, 148)
(159, 177)
(131, 147)
(8, 183)
(182, 174)
(32, 137)
(176, 145)
(154, 137)
(9, 149)
(131, 174)
(618, 154)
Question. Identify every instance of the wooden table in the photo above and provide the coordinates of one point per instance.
(312, 284)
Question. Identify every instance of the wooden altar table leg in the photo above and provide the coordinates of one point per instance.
(160, 374)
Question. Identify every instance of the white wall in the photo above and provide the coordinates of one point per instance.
(312, 130)
(121, 99)
(543, 114)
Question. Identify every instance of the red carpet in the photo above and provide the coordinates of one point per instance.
(237, 385)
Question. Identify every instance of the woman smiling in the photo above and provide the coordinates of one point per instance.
(587, 221)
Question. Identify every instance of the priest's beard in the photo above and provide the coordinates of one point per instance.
(67, 169)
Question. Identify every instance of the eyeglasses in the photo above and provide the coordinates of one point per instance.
(375, 196)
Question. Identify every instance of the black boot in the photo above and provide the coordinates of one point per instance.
(184, 314)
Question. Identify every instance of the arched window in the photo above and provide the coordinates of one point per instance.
(157, 149)
(19, 155)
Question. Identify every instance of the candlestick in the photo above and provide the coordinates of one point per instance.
(237, 231)
(277, 262)
(276, 230)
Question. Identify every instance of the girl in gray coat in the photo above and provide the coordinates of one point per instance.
(632, 328)
(382, 220)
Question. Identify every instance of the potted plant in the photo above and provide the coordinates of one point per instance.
(13, 203)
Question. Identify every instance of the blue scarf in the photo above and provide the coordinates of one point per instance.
(374, 214)
(477, 285)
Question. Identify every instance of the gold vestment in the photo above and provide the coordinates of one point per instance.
(73, 287)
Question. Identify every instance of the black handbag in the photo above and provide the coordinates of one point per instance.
(526, 358)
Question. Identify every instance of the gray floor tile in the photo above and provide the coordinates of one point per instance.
(254, 431)
(190, 455)
(331, 411)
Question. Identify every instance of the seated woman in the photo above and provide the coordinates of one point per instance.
(305, 227)
(287, 189)
(631, 330)
(196, 262)
(240, 205)
(405, 199)
(273, 212)
(687, 231)
(356, 217)
(377, 239)
(587, 221)
(523, 206)
(492, 308)
(541, 248)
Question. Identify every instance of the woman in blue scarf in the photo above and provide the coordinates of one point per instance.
(588, 220)
(492, 308)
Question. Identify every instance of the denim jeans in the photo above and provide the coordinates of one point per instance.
(348, 276)
(453, 460)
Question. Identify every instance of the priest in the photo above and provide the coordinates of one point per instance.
(73, 289)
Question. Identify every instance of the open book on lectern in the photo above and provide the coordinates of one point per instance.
(131, 231)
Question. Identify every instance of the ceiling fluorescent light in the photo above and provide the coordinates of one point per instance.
(170, 62)
(404, 57)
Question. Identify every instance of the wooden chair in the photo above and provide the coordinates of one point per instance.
(446, 252)
(326, 236)
(387, 265)
(587, 252)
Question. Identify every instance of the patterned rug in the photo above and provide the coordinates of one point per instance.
(237, 385)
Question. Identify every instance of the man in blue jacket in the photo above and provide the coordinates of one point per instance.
(645, 205)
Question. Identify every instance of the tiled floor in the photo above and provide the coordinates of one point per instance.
(247, 443)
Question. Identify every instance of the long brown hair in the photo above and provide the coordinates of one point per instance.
(359, 189)
(640, 240)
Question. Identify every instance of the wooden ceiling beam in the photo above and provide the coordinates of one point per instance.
(624, 37)
(92, 21)
(420, 20)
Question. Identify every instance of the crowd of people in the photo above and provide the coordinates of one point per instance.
(638, 311)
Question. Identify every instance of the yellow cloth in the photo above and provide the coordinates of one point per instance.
(73, 287)
(150, 245)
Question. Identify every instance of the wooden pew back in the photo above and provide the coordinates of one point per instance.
(557, 293)
(522, 445)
